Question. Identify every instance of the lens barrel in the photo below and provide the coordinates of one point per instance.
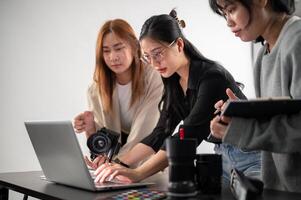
(181, 155)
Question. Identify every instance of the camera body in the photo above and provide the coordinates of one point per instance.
(104, 142)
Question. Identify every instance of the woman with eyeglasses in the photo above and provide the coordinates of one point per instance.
(125, 92)
(192, 84)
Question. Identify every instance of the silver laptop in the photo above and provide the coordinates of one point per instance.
(61, 158)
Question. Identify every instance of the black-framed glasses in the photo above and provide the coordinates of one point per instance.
(240, 85)
(156, 56)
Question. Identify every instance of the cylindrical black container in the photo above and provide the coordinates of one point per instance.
(181, 155)
(209, 173)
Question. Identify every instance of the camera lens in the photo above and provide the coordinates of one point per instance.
(99, 143)
(181, 155)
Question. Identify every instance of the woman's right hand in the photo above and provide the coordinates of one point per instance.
(110, 171)
(84, 122)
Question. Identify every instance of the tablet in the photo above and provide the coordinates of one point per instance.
(261, 108)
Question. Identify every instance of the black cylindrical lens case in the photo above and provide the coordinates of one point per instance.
(209, 173)
(181, 155)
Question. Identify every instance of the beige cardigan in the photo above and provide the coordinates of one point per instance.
(146, 113)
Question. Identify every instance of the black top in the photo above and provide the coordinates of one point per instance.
(207, 84)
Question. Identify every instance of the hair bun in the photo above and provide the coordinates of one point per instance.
(173, 14)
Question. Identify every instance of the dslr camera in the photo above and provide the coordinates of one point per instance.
(104, 142)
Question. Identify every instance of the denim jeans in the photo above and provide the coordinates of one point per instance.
(248, 162)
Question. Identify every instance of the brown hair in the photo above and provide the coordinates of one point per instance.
(104, 77)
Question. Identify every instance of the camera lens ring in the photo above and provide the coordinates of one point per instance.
(101, 144)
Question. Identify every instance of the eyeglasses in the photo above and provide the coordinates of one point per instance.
(156, 56)
(240, 85)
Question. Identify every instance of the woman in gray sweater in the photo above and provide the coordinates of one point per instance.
(277, 72)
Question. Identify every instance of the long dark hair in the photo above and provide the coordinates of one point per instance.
(279, 6)
(166, 28)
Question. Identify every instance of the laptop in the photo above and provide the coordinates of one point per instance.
(61, 158)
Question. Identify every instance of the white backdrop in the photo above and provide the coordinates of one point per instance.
(47, 59)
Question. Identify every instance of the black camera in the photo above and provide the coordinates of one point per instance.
(104, 142)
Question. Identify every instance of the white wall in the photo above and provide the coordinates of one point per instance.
(47, 59)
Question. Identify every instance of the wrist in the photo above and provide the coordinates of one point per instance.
(90, 132)
(121, 163)
(140, 175)
(125, 159)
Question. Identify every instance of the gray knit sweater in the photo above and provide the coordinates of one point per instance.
(277, 73)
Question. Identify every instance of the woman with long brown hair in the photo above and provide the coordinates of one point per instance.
(125, 93)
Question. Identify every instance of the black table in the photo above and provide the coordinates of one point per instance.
(29, 183)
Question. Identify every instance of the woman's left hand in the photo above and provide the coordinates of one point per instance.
(219, 124)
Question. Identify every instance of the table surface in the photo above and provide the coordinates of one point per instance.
(30, 183)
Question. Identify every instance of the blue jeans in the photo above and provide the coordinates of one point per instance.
(248, 162)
